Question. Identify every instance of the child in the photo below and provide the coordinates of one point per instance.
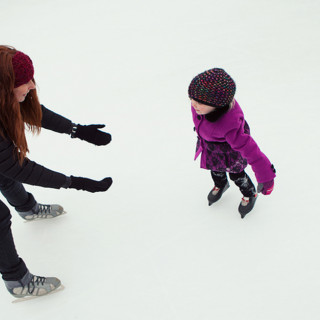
(19, 105)
(224, 139)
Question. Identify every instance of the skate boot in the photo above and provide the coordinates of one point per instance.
(216, 193)
(246, 205)
(42, 211)
(31, 285)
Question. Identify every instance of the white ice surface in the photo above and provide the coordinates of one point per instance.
(150, 248)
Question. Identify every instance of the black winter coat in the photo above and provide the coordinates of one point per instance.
(30, 172)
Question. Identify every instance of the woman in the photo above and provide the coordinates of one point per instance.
(224, 139)
(19, 105)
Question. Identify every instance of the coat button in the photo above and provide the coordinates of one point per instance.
(198, 117)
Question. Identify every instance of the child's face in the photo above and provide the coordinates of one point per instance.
(201, 108)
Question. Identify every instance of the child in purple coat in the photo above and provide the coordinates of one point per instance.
(224, 139)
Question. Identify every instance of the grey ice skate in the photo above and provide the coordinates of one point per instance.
(32, 286)
(42, 211)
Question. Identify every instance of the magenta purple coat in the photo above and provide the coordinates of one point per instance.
(226, 145)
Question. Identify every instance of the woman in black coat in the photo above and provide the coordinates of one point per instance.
(19, 106)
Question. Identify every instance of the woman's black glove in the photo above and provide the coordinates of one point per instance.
(91, 134)
(86, 184)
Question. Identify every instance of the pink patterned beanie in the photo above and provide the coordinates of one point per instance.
(213, 87)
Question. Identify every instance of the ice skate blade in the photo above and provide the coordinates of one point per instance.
(17, 300)
(49, 218)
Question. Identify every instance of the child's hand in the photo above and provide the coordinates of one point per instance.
(266, 188)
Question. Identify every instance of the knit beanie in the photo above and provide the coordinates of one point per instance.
(23, 68)
(213, 87)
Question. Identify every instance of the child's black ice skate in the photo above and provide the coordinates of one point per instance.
(216, 193)
(246, 205)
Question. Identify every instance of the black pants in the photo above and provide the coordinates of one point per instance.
(12, 266)
(242, 180)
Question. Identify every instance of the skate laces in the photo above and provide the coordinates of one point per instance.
(44, 208)
(246, 200)
(215, 190)
(35, 281)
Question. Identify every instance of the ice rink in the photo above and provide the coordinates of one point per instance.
(151, 248)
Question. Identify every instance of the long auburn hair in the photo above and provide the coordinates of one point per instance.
(13, 114)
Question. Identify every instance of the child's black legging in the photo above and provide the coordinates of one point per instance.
(241, 179)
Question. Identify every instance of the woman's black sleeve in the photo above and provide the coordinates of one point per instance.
(55, 122)
(29, 171)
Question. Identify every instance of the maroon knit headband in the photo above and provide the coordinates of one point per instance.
(23, 69)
